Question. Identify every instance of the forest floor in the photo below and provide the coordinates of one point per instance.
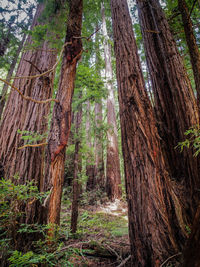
(102, 235)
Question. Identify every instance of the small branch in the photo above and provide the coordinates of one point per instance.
(85, 37)
(171, 257)
(151, 31)
(36, 145)
(192, 7)
(27, 97)
(48, 71)
(124, 261)
(33, 65)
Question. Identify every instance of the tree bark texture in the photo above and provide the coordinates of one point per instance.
(191, 256)
(9, 75)
(77, 171)
(192, 45)
(156, 228)
(27, 116)
(175, 105)
(113, 178)
(61, 121)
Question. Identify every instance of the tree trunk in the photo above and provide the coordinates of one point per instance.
(156, 228)
(77, 171)
(61, 121)
(175, 105)
(113, 178)
(27, 116)
(9, 75)
(90, 168)
(191, 256)
(4, 43)
(192, 45)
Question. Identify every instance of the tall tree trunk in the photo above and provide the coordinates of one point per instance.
(90, 168)
(27, 116)
(77, 171)
(9, 75)
(113, 178)
(192, 45)
(61, 121)
(175, 105)
(155, 223)
(99, 161)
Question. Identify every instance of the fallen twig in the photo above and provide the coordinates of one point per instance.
(171, 257)
(124, 261)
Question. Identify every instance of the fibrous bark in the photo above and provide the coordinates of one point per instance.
(27, 116)
(113, 178)
(61, 121)
(9, 75)
(192, 45)
(153, 209)
(175, 105)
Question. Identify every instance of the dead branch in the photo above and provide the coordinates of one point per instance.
(171, 257)
(48, 71)
(124, 261)
(33, 65)
(28, 97)
(36, 145)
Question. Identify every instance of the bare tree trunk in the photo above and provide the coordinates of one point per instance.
(9, 75)
(113, 178)
(77, 171)
(27, 116)
(175, 105)
(4, 43)
(99, 161)
(156, 228)
(192, 45)
(61, 121)
(90, 168)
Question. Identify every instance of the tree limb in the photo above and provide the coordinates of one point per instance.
(28, 97)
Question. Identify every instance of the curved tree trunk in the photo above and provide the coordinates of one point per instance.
(113, 178)
(175, 105)
(61, 121)
(154, 211)
(192, 45)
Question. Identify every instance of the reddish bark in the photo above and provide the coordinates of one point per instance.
(61, 121)
(175, 105)
(156, 228)
(192, 45)
(25, 115)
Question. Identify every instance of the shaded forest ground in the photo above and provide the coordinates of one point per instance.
(102, 235)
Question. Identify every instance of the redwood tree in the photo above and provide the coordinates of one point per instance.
(175, 105)
(113, 179)
(154, 219)
(61, 121)
(27, 116)
(192, 44)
